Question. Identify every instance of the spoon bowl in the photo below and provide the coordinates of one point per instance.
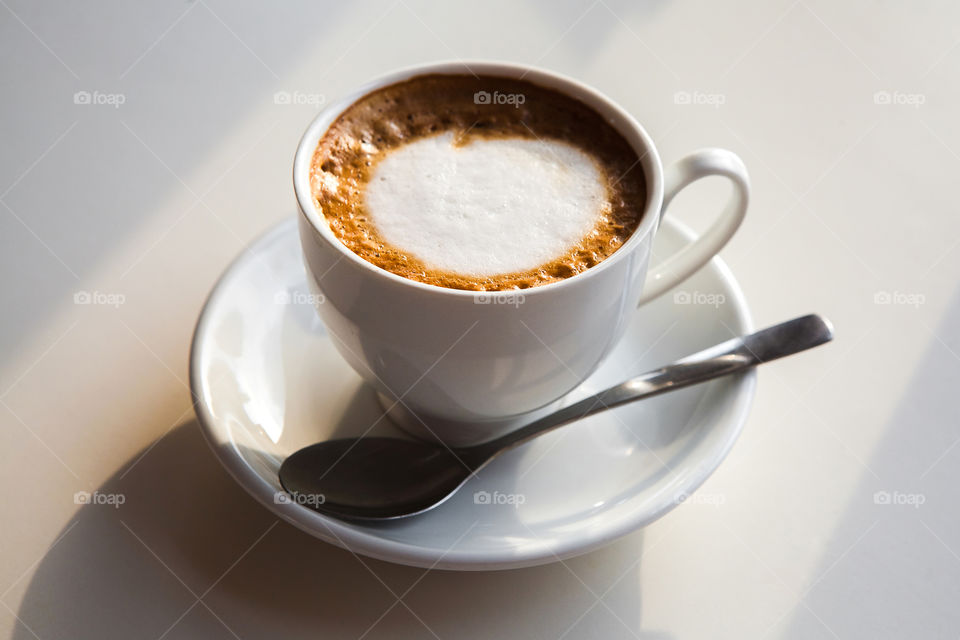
(325, 476)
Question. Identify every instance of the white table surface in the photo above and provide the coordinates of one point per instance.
(854, 203)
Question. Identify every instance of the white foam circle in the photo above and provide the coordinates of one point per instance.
(492, 206)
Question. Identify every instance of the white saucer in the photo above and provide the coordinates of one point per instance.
(268, 381)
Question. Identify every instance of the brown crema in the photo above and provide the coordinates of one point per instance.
(471, 108)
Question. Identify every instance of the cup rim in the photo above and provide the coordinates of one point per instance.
(619, 118)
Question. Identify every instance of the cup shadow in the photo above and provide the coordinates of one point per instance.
(190, 554)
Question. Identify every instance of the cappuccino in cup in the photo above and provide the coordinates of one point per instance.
(479, 183)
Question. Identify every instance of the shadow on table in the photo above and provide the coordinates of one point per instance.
(190, 554)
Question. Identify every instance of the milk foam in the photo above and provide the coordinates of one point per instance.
(490, 207)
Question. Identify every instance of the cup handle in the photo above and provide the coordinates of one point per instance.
(682, 265)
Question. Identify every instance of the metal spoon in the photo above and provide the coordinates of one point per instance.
(384, 478)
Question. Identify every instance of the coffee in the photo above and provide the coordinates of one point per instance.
(479, 183)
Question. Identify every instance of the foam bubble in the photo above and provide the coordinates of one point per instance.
(493, 206)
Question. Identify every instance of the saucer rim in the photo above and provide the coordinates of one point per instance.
(361, 540)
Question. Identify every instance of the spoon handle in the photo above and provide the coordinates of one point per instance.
(728, 357)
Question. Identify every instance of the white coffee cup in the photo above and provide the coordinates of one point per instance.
(463, 366)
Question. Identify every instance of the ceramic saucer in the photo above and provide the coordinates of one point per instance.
(268, 381)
